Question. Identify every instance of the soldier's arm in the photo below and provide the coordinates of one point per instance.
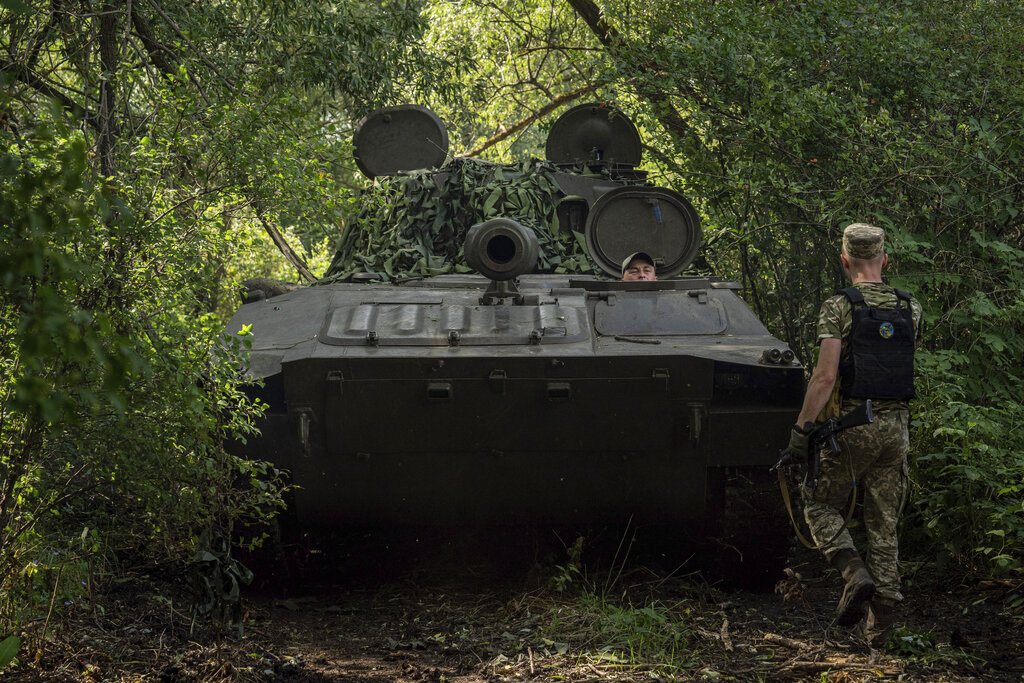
(822, 380)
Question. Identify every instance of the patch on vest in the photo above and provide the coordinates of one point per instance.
(885, 330)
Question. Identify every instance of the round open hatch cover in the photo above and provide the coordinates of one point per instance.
(655, 220)
(404, 138)
(594, 132)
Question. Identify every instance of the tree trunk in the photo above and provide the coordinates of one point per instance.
(108, 63)
(665, 112)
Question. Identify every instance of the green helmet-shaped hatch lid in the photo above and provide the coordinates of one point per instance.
(654, 220)
(591, 133)
(404, 138)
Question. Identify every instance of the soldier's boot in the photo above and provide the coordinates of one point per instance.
(857, 591)
(881, 616)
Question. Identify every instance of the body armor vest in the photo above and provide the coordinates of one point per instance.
(881, 364)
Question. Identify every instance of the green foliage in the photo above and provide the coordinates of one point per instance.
(9, 650)
(785, 123)
(570, 574)
(655, 635)
(969, 476)
(118, 390)
(415, 224)
(53, 580)
(518, 58)
(50, 209)
(66, 361)
(969, 416)
(909, 643)
(117, 393)
(216, 579)
(616, 631)
(794, 130)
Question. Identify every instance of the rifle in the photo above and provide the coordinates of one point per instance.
(825, 434)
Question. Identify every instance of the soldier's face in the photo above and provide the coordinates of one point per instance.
(639, 269)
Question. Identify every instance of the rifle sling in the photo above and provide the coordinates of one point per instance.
(789, 509)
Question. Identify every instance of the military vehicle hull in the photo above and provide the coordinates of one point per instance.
(595, 401)
(514, 396)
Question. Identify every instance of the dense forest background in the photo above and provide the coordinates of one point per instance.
(157, 152)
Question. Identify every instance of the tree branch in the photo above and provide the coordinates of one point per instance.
(523, 123)
(191, 45)
(667, 114)
(108, 60)
(591, 13)
(42, 36)
(33, 80)
(282, 245)
(154, 49)
(157, 50)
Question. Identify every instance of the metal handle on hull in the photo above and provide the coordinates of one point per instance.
(305, 416)
(697, 411)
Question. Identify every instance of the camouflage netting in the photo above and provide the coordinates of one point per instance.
(414, 225)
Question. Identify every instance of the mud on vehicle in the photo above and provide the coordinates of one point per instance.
(471, 356)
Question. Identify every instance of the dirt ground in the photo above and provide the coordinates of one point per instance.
(433, 612)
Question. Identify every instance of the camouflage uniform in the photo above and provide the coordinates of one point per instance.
(876, 452)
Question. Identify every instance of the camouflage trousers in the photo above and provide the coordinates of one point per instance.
(877, 455)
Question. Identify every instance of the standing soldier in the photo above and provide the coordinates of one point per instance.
(866, 334)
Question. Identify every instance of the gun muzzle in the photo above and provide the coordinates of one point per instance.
(501, 249)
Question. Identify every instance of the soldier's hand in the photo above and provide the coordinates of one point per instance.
(793, 457)
(799, 439)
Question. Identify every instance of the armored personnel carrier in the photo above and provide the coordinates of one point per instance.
(472, 354)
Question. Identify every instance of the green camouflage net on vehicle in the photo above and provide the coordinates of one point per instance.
(414, 225)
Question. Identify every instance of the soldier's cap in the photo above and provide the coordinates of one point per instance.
(863, 241)
(642, 255)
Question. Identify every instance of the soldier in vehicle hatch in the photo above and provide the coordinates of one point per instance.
(866, 334)
(638, 266)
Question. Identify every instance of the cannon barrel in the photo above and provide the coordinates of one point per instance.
(501, 248)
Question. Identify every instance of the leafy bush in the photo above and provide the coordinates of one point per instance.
(795, 120)
(117, 393)
(967, 472)
(969, 489)
(908, 643)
